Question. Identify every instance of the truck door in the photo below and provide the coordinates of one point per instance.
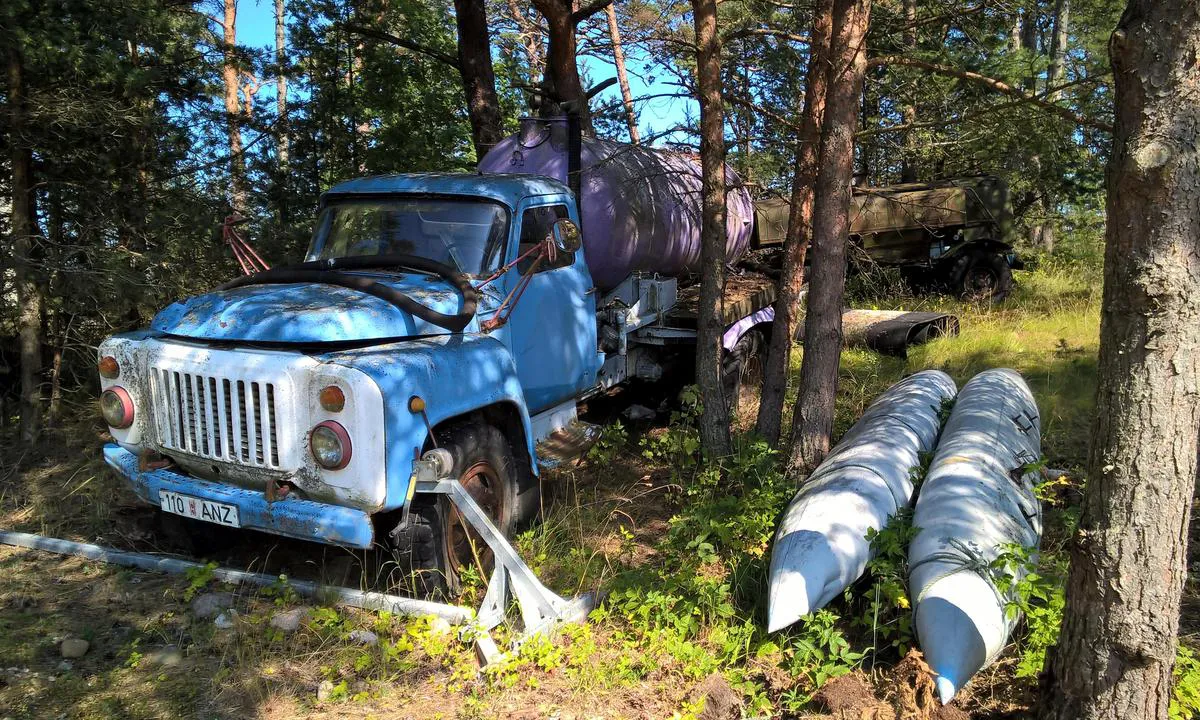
(553, 328)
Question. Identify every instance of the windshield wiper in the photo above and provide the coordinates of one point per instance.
(327, 271)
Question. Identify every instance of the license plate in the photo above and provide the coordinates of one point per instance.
(191, 507)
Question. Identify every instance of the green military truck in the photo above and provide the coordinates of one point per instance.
(946, 235)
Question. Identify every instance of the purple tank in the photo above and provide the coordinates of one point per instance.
(641, 207)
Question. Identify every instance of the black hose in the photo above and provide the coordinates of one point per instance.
(325, 272)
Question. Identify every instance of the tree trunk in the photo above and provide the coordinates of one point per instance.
(231, 75)
(614, 33)
(1115, 654)
(1058, 47)
(561, 83)
(29, 295)
(799, 233)
(478, 78)
(908, 167)
(282, 143)
(1029, 38)
(714, 422)
(530, 37)
(812, 420)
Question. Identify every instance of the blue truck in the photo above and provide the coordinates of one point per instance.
(447, 311)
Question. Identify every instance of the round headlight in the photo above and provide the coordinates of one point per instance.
(116, 407)
(330, 444)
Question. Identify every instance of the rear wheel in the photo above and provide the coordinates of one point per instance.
(981, 276)
(739, 364)
(438, 545)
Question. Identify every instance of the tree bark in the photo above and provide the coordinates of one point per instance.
(1058, 48)
(29, 295)
(281, 134)
(231, 76)
(812, 420)
(478, 77)
(530, 37)
(614, 34)
(1117, 648)
(908, 167)
(714, 421)
(799, 233)
(561, 83)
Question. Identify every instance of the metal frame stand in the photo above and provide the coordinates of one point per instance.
(541, 609)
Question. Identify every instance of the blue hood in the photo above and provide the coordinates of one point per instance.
(308, 312)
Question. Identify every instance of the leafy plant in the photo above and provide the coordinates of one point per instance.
(1185, 695)
(198, 578)
(1035, 588)
(818, 653)
(613, 440)
(886, 611)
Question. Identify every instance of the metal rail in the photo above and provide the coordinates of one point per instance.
(454, 614)
(541, 610)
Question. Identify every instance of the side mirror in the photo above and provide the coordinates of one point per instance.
(566, 236)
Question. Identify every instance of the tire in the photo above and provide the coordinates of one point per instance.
(737, 363)
(436, 545)
(981, 276)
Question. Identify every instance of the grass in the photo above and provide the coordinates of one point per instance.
(680, 546)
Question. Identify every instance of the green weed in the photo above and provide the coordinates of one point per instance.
(198, 578)
(1185, 695)
(1034, 586)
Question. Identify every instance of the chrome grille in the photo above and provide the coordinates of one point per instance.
(214, 417)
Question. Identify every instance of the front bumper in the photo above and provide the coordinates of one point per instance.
(293, 517)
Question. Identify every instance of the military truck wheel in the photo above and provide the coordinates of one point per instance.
(739, 363)
(438, 546)
(982, 276)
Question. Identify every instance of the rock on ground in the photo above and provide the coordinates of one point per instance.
(225, 620)
(289, 621)
(166, 656)
(73, 647)
(324, 690)
(364, 637)
(208, 605)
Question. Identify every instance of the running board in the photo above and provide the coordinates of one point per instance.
(541, 609)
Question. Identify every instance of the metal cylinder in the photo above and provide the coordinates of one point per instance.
(821, 545)
(977, 500)
(640, 206)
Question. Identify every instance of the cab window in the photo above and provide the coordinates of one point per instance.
(536, 225)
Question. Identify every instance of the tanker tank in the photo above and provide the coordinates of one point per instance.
(640, 207)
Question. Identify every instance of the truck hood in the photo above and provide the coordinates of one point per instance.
(306, 313)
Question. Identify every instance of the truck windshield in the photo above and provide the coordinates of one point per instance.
(465, 234)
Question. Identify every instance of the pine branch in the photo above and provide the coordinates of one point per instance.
(589, 10)
(992, 83)
(418, 48)
(767, 32)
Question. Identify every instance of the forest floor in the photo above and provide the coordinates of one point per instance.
(678, 548)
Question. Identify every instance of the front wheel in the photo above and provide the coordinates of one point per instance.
(438, 545)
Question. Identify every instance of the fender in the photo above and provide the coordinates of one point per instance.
(734, 332)
(454, 374)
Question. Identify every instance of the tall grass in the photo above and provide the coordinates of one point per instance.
(1048, 330)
